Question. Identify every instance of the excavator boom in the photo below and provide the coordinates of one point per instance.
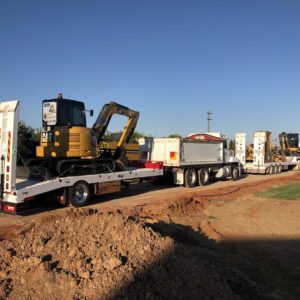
(104, 118)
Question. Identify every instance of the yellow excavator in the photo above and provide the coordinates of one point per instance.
(289, 144)
(68, 147)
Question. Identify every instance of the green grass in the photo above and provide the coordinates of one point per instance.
(286, 192)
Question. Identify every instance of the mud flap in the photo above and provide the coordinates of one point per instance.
(178, 176)
(1, 183)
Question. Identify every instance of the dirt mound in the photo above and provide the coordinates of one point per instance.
(171, 210)
(87, 254)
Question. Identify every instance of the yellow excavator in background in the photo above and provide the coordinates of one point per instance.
(132, 149)
(289, 144)
(68, 147)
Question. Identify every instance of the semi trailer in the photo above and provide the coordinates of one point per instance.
(75, 186)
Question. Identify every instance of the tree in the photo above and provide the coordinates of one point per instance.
(174, 135)
(137, 135)
(28, 139)
(231, 144)
(115, 136)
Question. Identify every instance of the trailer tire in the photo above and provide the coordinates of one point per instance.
(79, 193)
(190, 178)
(203, 177)
(235, 173)
(270, 170)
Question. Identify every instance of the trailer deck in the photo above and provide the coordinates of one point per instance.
(15, 192)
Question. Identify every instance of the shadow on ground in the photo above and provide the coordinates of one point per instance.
(200, 268)
(94, 254)
(46, 203)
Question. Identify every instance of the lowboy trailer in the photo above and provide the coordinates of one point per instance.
(262, 161)
(16, 193)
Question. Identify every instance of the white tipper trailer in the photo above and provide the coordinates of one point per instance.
(16, 193)
(262, 160)
(191, 162)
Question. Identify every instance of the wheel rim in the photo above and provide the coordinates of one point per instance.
(192, 177)
(235, 173)
(80, 193)
(205, 176)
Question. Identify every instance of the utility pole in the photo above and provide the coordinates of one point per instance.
(209, 118)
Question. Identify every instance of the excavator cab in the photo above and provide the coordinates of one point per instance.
(289, 144)
(64, 132)
(61, 112)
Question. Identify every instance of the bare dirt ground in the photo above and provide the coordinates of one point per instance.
(214, 242)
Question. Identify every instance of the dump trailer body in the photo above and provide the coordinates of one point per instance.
(178, 152)
(183, 156)
(16, 193)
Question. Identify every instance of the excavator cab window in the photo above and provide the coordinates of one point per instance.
(293, 140)
(71, 114)
(66, 113)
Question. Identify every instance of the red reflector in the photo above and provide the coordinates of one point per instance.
(7, 169)
(61, 199)
(7, 186)
(28, 199)
(9, 208)
(154, 164)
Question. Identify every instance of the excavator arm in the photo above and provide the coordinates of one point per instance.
(283, 141)
(284, 145)
(103, 121)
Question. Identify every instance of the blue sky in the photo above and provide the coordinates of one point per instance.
(171, 60)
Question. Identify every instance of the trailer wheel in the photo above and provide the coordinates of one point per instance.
(270, 170)
(203, 177)
(190, 178)
(279, 169)
(235, 173)
(79, 194)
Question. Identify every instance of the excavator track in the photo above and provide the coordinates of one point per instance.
(41, 169)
